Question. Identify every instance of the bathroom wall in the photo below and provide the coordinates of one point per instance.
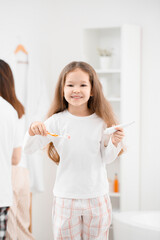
(53, 28)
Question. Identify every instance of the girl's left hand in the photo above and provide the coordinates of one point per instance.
(117, 136)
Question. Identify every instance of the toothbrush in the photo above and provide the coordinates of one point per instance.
(111, 130)
(56, 135)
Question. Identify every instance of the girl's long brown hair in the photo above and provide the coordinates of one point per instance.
(97, 103)
(7, 88)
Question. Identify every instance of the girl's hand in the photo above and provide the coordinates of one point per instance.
(117, 136)
(37, 128)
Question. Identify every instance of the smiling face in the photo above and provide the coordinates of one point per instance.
(77, 90)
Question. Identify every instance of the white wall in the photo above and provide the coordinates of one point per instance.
(54, 28)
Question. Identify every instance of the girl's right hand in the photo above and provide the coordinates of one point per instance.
(37, 128)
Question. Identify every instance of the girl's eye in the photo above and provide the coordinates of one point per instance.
(84, 85)
(69, 85)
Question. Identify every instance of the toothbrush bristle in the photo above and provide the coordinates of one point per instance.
(69, 137)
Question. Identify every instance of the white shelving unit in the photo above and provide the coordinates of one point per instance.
(121, 86)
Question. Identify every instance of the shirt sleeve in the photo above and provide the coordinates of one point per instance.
(33, 143)
(110, 152)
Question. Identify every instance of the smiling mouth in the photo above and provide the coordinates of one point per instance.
(76, 97)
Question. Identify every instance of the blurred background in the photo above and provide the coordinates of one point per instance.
(52, 33)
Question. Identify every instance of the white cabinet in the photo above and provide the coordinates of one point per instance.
(121, 85)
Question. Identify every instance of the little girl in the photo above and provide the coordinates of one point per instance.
(81, 207)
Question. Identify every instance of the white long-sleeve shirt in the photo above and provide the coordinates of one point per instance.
(81, 173)
(10, 137)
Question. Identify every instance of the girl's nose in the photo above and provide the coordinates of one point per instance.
(76, 90)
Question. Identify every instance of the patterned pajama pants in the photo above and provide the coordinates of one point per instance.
(3, 222)
(76, 219)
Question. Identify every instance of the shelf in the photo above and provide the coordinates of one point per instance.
(102, 71)
(113, 194)
(119, 84)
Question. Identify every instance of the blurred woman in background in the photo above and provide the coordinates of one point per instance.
(11, 138)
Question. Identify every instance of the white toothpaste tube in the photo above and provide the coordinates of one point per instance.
(111, 130)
